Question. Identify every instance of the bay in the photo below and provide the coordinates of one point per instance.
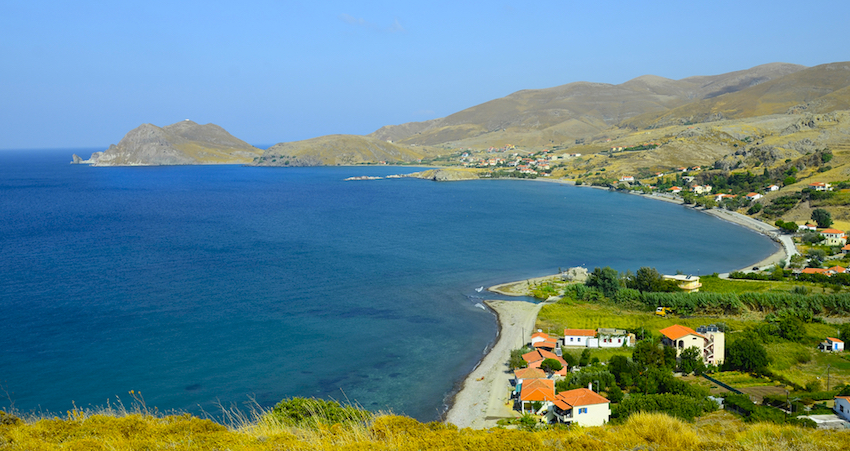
(201, 286)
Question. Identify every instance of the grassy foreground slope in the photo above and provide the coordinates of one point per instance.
(135, 431)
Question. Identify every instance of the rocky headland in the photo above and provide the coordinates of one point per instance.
(185, 142)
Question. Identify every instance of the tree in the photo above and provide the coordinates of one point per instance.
(605, 279)
(570, 359)
(792, 328)
(648, 354)
(550, 365)
(615, 394)
(790, 180)
(746, 355)
(822, 217)
(844, 333)
(647, 279)
(690, 361)
(584, 360)
(516, 360)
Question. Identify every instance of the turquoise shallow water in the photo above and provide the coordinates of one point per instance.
(202, 285)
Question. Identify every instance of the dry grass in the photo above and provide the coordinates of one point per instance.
(655, 431)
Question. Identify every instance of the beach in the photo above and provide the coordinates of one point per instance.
(484, 397)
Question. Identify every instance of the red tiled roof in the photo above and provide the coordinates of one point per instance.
(838, 269)
(814, 270)
(579, 332)
(676, 332)
(533, 356)
(832, 231)
(545, 344)
(529, 373)
(542, 335)
(579, 397)
(538, 390)
(834, 339)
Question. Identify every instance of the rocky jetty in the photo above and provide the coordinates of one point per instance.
(182, 143)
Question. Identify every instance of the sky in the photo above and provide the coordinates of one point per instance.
(82, 74)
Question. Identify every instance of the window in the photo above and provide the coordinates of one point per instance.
(582, 410)
(571, 338)
(619, 340)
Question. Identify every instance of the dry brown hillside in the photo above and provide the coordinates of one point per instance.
(335, 150)
(575, 110)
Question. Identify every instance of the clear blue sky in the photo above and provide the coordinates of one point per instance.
(82, 74)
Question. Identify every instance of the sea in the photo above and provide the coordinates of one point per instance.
(205, 288)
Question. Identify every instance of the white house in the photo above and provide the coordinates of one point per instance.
(612, 338)
(842, 407)
(578, 337)
(754, 196)
(711, 342)
(627, 178)
(582, 406)
(831, 344)
(773, 188)
(834, 237)
(820, 186)
(701, 189)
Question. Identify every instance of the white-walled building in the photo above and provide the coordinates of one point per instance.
(578, 337)
(710, 341)
(842, 407)
(581, 406)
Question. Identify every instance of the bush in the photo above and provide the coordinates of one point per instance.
(310, 412)
(679, 406)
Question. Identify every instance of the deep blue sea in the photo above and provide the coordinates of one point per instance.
(200, 285)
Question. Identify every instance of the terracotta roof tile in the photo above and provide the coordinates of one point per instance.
(529, 373)
(834, 339)
(579, 332)
(538, 390)
(676, 332)
(581, 397)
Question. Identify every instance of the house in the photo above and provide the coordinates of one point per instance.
(836, 270)
(831, 345)
(834, 237)
(814, 271)
(772, 188)
(688, 283)
(612, 338)
(754, 196)
(711, 342)
(842, 407)
(582, 406)
(719, 198)
(702, 189)
(675, 190)
(627, 178)
(714, 352)
(528, 373)
(682, 169)
(536, 357)
(535, 390)
(820, 186)
(543, 341)
(807, 226)
(578, 337)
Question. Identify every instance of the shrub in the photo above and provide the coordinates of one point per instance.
(310, 412)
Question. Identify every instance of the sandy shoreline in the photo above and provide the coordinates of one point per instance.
(484, 395)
